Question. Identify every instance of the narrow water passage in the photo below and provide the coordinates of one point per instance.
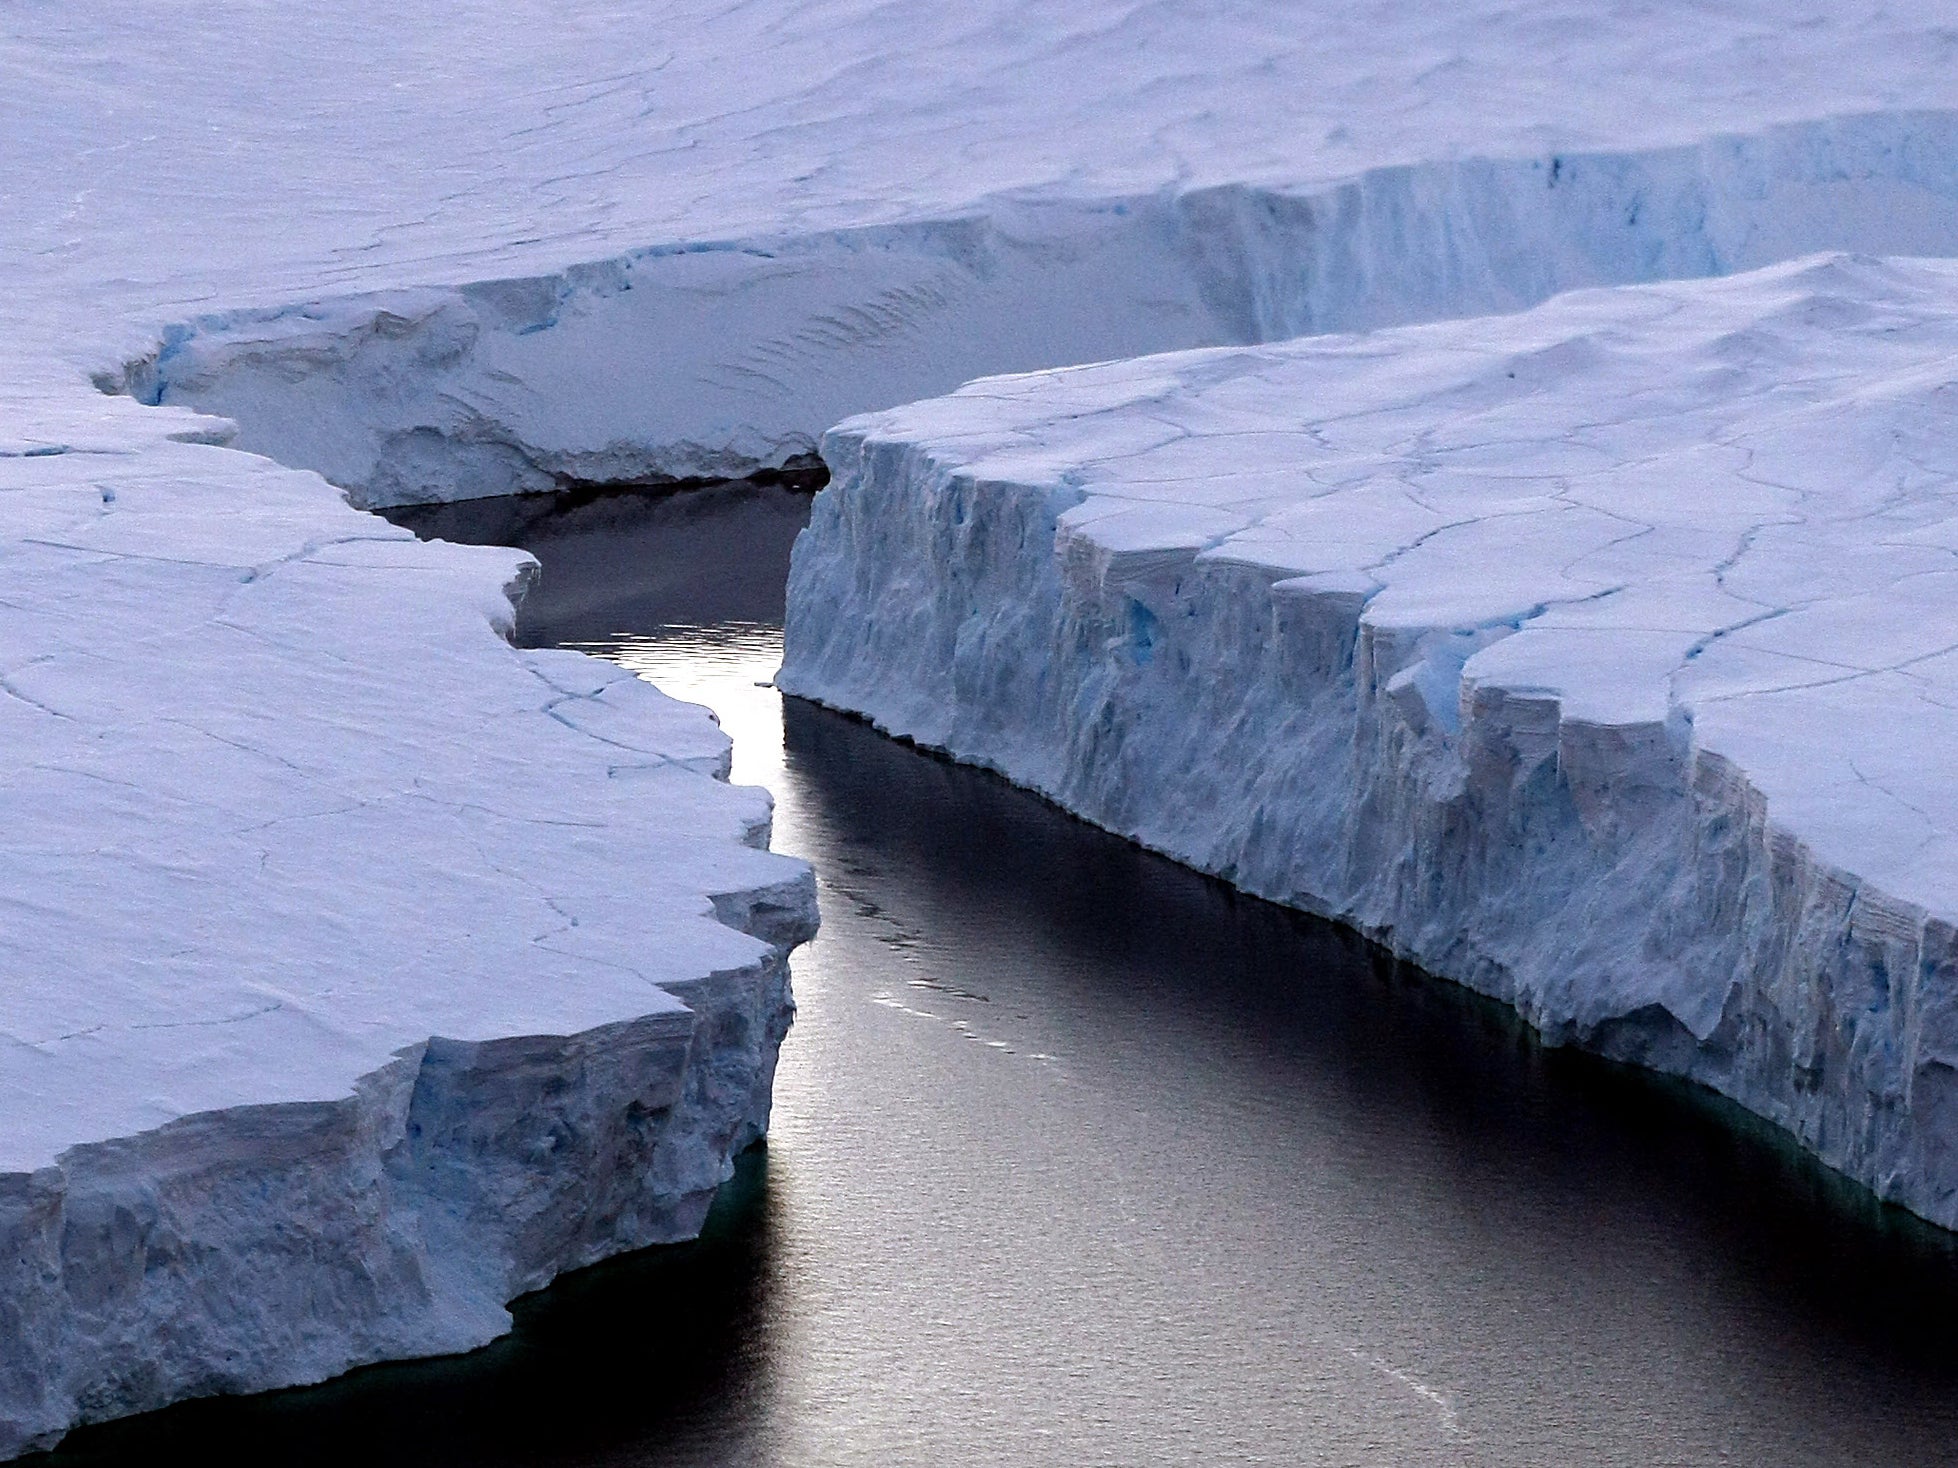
(1079, 1158)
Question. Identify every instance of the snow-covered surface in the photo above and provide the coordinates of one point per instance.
(1603, 657)
(281, 806)
(762, 218)
(362, 972)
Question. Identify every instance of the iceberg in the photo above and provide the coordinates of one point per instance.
(1599, 657)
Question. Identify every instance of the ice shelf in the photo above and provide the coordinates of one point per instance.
(479, 250)
(1602, 657)
(362, 971)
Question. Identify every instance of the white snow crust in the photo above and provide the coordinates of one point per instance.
(1602, 657)
(475, 251)
(363, 971)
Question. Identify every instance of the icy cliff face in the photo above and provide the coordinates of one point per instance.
(582, 247)
(721, 360)
(363, 971)
(1599, 657)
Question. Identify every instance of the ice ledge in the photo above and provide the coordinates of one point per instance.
(363, 971)
(1601, 658)
(759, 343)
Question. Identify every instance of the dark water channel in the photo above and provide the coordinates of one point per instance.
(1081, 1159)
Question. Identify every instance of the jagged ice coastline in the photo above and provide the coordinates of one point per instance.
(1599, 658)
(365, 971)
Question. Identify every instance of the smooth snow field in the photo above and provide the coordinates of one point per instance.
(1080, 1158)
(363, 971)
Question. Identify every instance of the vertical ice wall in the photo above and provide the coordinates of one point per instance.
(716, 359)
(1600, 658)
(363, 971)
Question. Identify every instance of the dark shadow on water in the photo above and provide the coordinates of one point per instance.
(1309, 1004)
(631, 560)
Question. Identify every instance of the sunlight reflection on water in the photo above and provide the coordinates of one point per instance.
(729, 667)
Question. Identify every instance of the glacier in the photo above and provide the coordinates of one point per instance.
(364, 971)
(1600, 657)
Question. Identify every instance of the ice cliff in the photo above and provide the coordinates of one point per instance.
(1600, 657)
(728, 356)
(362, 971)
